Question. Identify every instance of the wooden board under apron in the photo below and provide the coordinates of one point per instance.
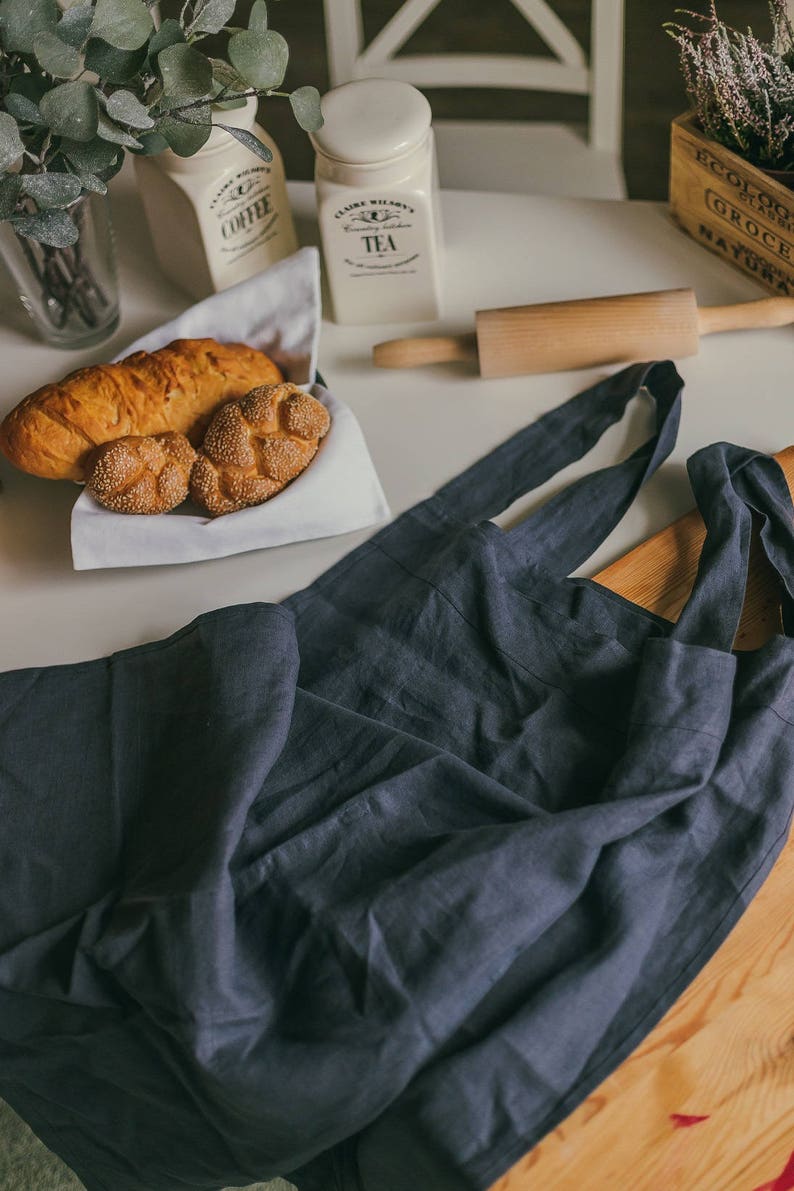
(725, 1050)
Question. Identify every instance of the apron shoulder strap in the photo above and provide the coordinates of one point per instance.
(567, 530)
(731, 484)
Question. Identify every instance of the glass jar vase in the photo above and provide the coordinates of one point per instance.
(71, 293)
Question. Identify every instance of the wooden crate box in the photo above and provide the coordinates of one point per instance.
(731, 207)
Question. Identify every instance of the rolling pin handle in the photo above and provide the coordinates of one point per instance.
(413, 353)
(764, 312)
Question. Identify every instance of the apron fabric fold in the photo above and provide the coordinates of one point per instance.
(372, 888)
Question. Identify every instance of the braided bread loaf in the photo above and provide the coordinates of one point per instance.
(141, 474)
(52, 432)
(255, 446)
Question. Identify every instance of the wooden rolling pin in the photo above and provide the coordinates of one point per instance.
(556, 336)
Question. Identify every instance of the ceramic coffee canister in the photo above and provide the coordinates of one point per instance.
(221, 215)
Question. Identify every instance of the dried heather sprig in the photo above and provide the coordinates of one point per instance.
(742, 88)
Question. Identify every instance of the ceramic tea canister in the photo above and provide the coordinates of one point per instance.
(221, 215)
(378, 203)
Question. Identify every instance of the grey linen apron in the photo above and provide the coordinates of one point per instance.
(372, 888)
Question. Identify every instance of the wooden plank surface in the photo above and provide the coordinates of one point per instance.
(725, 1050)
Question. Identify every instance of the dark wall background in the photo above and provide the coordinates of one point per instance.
(653, 92)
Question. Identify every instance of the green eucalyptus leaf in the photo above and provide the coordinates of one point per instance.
(75, 25)
(112, 65)
(152, 143)
(55, 56)
(125, 24)
(257, 20)
(125, 108)
(210, 16)
(21, 20)
(113, 169)
(249, 140)
(23, 109)
(261, 58)
(154, 95)
(11, 146)
(186, 73)
(71, 110)
(110, 131)
(200, 114)
(52, 190)
(12, 65)
(48, 227)
(187, 135)
(90, 157)
(226, 76)
(32, 86)
(10, 187)
(169, 33)
(93, 183)
(305, 102)
(226, 105)
(231, 100)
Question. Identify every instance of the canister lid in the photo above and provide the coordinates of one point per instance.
(372, 120)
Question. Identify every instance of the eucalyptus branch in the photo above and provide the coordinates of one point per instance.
(221, 97)
(101, 73)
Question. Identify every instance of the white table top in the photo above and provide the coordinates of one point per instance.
(422, 427)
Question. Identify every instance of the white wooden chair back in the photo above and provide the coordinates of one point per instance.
(599, 74)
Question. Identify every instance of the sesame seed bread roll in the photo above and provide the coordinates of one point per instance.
(254, 447)
(52, 432)
(141, 474)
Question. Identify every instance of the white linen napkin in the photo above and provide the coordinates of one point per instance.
(277, 311)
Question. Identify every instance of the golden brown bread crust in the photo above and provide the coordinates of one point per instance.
(52, 432)
(254, 447)
(141, 474)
